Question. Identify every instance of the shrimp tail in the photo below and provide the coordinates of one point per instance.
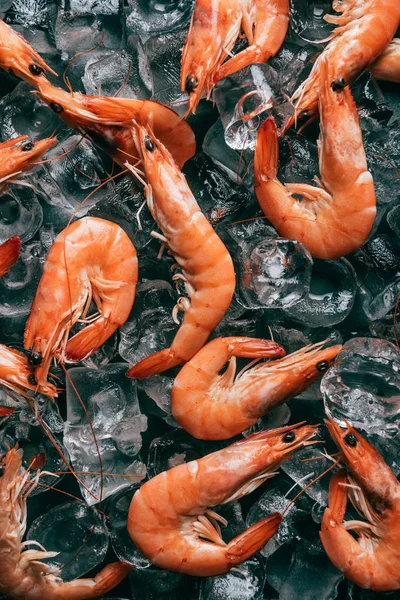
(106, 580)
(89, 339)
(9, 252)
(253, 539)
(155, 363)
(267, 150)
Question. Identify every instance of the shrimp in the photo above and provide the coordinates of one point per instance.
(214, 28)
(9, 252)
(111, 122)
(92, 259)
(207, 268)
(387, 67)
(216, 407)
(373, 560)
(363, 31)
(17, 56)
(170, 519)
(16, 157)
(22, 575)
(336, 217)
(16, 374)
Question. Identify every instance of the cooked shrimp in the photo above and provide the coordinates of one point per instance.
(216, 407)
(17, 56)
(170, 518)
(23, 576)
(111, 122)
(215, 26)
(16, 374)
(9, 252)
(16, 157)
(336, 217)
(373, 560)
(92, 259)
(363, 31)
(387, 66)
(207, 268)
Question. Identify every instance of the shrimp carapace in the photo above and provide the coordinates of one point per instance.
(9, 252)
(217, 407)
(336, 216)
(387, 66)
(112, 123)
(214, 29)
(171, 519)
(207, 268)
(92, 259)
(19, 154)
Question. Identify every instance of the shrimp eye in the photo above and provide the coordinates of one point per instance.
(35, 69)
(28, 147)
(290, 436)
(35, 358)
(322, 366)
(191, 84)
(351, 440)
(31, 379)
(57, 108)
(149, 144)
(338, 85)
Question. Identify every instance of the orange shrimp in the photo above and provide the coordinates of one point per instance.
(23, 576)
(17, 157)
(9, 252)
(373, 560)
(215, 26)
(387, 66)
(92, 259)
(111, 122)
(363, 31)
(17, 56)
(170, 517)
(16, 374)
(207, 268)
(336, 217)
(217, 407)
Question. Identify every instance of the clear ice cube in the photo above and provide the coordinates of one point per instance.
(20, 213)
(244, 582)
(157, 16)
(307, 19)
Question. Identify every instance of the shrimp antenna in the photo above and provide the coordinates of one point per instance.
(128, 74)
(396, 310)
(47, 160)
(76, 58)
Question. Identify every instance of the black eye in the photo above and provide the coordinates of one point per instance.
(351, 440)
(57, 108)
(149, 144)
(338, 85)
(28, 147)
(322, 366)
(35, 69)
(290, 436)
(35, 358)
(191, 84)
(31, 379)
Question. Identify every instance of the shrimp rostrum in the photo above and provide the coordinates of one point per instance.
(372, 560)
(92, 259)
(336, 216)
(23, 576)
(171, 519)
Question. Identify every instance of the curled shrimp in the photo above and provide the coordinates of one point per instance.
(23, 576)
(372, 560)
(18, 155)
(111, 122)
(207, 268)
(16, 374)
(364, 29)
(92, 259)
(217, 407)
(171, 519)
(214, 28)
(336, 217)
(387, 66)
(18, 56)
(9, 252)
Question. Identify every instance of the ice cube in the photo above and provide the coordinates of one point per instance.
(244, 582)
(157, 391)
(157, 584)
(393, 218)
(113, 73)
(92, 7)
(27, 12)
(307, 19)
(157, 16)
(81, 33)
(382, 146)
(77, 533)
(20, 213)
(112, 405)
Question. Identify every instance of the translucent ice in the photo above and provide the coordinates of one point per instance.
(307, 20)
(111, 402)
(157, 16)
(27, 12)
(109, 73)
(393, 218)
(79, 33)
(76, 532)
(382, 146)
(363, 387)
(244, 582)
(89, 7)
(301, 473)
(158, 395)
(157, 584)
(20, 213)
